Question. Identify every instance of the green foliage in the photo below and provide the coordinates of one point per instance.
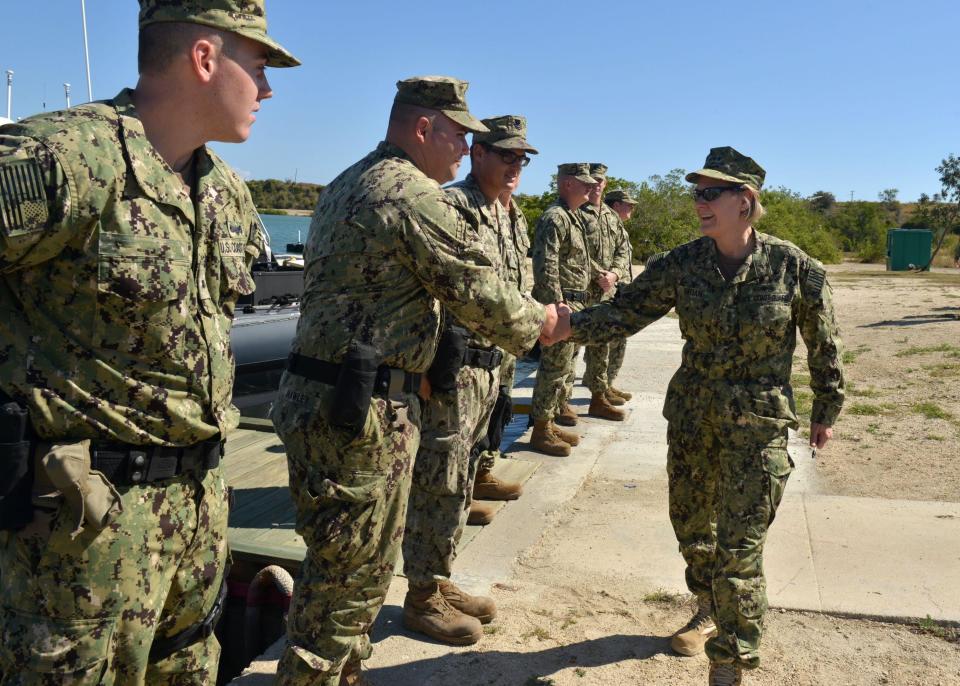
(792, 218)
(664, 217)
(861, 228)
(931, 411)
(284, 195)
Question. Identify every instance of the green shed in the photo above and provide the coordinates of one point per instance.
(908, 249)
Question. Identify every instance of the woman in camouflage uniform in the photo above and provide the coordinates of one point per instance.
(740, 295)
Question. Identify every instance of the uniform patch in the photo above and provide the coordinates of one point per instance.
(814, 282)
(23, 200)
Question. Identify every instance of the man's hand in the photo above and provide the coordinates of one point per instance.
(561, 327)
(819, 435)
(546, 331)
(606, 281)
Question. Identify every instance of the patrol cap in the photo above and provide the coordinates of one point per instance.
(620, 195)
(443, 93)
(508, 132)
(726, 164)
(578, 170)
(247, 18)
(598, 170)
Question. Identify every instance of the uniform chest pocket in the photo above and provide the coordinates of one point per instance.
(235, 278)
(142, 295)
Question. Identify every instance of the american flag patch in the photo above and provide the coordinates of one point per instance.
(23, 200)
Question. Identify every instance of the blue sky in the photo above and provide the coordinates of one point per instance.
(842, 96)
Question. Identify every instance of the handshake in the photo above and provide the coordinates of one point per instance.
(557, 326)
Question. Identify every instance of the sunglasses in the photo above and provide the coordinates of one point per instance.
(509, 158)
(713, 192)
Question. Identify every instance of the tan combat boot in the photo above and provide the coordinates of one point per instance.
(621, 394)
(426, 611)
(566, 416)
(352, 675)
(544, 440)
(725, 675)
(565, 436)
(613, 398)
(479, 606)
(481, 513)
(488, 487)
(693, 636)
(601, 407)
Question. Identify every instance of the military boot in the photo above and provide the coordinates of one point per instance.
(566, 416)
(481, 513)
(565, 436)
(623, 394)
(613, 398)
(426, 611)
(544, 440)
(479, 606)
(488, 487)
(725, 675)
(601, 407)
(352, 675)
(692, 637)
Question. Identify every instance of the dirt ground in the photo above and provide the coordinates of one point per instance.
(899, 433)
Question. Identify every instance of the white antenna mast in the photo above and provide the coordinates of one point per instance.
(86, 50)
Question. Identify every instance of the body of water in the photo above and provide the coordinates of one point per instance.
(283, 229)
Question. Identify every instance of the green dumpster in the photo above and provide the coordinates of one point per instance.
(908, 249)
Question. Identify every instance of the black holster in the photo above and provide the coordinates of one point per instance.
(162, 648)
(354, 387)
(499, 419)
(448, 360)
(16, 466)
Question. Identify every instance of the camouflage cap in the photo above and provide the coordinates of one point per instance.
(508, 132)
(443, 93)
(247, 18)
(620, 195)
(598, 170)
(578, 170)
(726, 164)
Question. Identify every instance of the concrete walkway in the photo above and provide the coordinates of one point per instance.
(866, 557)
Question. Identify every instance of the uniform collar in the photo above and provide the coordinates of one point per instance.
(757, 262)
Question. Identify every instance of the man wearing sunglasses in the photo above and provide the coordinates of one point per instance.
(610, 254)
(458, 411)
(561, 272)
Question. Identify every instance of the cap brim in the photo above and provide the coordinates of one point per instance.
(692, 177)
(515, 143)
(278, 55)
(466, 120)
(589, 180)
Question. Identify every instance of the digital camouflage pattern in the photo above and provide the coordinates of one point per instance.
(443, 93)
(726, 164)
(561, 262)
(386, 250)
(117, 292)
(609, 248)
(114, 324)
(247, 18)
(729, 407)
(508, 132)
(350, 492)
(86, 610)
(452, 422)
(578, 170)
(443, 475)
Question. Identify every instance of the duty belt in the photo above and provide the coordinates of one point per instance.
(125, 465)
(390, 380)
(575, 296)
(483, 359)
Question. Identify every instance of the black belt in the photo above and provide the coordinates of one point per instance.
(390, 381)
(125, 465)
(483, 359)
(575, 296)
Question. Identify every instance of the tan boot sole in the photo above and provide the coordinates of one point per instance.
(414, 623)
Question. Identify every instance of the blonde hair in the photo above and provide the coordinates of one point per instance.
(755, 212)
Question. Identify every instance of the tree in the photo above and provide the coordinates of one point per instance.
(888, 197)
(792, 218)
(822, 202)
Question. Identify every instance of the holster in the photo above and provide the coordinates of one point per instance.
(354, 387)
(16, 466)
(448, 360)
(500, 418)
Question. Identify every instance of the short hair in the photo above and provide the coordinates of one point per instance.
(756, 210)
(402, 114)
(161, 43)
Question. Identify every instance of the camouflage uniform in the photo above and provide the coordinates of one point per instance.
(515, 246)
(618, 346)
(453, 421)
(386, 249)
(561, 272)
(116, 300)
(608, 252)
(729, 407)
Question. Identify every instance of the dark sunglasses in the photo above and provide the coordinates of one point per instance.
(509, 158)
(713, 192)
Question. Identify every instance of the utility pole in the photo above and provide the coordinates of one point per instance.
(86, 50)
(9, 93)
(851, 196)
(66, 92)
